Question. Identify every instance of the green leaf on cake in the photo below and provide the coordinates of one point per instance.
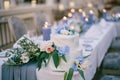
(43, 55)
(65, 76)
(64, 58)
(49, 57)
(86, 57)
(81, 73)
(70, 74)
(39, 63)
(56, 59)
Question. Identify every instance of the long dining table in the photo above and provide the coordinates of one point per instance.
(99, 37)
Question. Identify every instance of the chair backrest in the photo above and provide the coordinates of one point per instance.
(39, 20)
(115, 9)
(6, 38)
(17, 27)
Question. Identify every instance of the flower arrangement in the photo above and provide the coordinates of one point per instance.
(29, 52)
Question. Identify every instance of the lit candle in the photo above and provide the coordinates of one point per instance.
(80, 10)
(72, 11)
(104, 10)
(70, 15)
(46, 31)
(6, 4)
(64, 19)
(90, 16)
(104, 13)
(84, 14)
(87, 24)
(80, 13)
(86, 20)
(91, 12)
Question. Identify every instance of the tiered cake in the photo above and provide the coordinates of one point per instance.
(62, 38)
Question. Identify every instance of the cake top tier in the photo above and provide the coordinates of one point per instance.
(64, 30)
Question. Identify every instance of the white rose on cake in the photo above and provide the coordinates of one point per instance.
(64, 32)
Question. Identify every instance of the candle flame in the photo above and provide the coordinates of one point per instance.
(104, 10)
(46, 25)
(64, 18)
(84, 14)
(69, 14)
(91, 12)
(80, 10)
(86, 19)
(72, 10)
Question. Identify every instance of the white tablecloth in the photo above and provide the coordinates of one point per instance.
(104, 35)
(99, 37)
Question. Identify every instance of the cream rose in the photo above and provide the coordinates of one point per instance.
(25, 59)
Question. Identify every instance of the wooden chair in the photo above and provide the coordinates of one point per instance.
(115, 9)
(6, 38)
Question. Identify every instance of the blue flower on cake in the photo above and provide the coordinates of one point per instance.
(63, 50)
(79, 65)
(64, 30)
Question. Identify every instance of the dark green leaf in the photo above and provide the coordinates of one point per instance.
(70, 74)
(65, 76)
(86, 56)
(64, 58)
(81, 73)
(43, 55)
(49, 57)
(39, 63)
(45, 62)
(56, 59)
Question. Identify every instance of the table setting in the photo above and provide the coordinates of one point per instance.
(92, 46)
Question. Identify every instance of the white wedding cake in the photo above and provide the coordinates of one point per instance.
(63, 38)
